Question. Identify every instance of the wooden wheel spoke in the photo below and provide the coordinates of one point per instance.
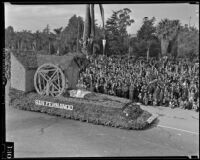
(53, 75)
(49, 80)
(40, 73)
(58, 79)
(53, 79)
(45, 87)
(54, 85)
(48, 70)
(39, 83)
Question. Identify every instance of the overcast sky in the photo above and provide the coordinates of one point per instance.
(36, 17)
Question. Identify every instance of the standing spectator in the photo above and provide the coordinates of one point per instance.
(163, 82)
(131, 90)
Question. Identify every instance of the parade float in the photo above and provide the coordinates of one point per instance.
(44, 83)
(50, 84)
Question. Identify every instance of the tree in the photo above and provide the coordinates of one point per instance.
(9, 37)
(27, 40)
(188, 42)
(167, 32)
(71, 34)
(89, 28)
(116, 31)
(45, 40)
(147, 30)
(52, 45)
(37, 40)
(58, 32)
(146, 40)
(99, 35)
(47, 29)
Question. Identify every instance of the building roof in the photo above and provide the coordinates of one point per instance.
(26, 58)
(32, 60)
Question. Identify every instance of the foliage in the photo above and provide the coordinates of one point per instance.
(146, 39)
(72, 34)
(188, 42)
(167, 38)
(166, 28)
(167, 32)
(60, 41)
(147, 30)
(26, 40)
(116, 31)
(9, 37)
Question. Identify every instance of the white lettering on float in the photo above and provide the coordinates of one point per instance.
(54, 105)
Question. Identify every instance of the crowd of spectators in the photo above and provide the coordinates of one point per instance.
(163, 82)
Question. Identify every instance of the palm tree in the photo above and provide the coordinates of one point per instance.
(166, 31)
(89, 28)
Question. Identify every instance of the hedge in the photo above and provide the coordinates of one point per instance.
(128, 116)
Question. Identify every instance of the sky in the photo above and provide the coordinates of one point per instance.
(36, 17)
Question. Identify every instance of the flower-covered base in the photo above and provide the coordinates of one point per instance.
(110, 111)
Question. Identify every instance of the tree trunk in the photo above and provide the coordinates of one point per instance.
(21, 48)
(164, 47)
(87, 30)
(148, 53)
(174, 49)
(49, 48)
(92, 21)
(18, 45)
(87, 24)
(92, 28)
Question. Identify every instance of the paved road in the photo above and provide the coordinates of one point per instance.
(41, 135)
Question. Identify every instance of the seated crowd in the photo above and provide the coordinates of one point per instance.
(173, 83)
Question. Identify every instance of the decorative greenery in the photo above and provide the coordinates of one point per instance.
(91, 111)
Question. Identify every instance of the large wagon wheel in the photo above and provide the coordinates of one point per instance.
(49, 80)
